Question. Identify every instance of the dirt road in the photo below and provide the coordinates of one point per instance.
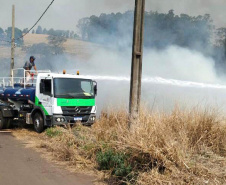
(24, 166)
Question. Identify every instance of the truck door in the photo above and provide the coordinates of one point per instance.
(45, 96)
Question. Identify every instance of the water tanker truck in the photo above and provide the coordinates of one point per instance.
(50, 99)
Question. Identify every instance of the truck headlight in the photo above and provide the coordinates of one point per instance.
(93, 118)
(60, 120)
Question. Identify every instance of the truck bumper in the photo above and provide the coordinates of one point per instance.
(60, 120)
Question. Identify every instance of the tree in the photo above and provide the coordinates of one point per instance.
(46, 56)
(75, 36)
(25, 30)
(40, 49)
(1, 35)
(221, 40)
(72, 34)
(33, 31)
(83, 26)
(39, 30)
(51, 32)
(18, 34)
(67, 34)
(161, 30)
(221, 34)
(45, 31)
(1, 32)
(57, 44)
(219, 50)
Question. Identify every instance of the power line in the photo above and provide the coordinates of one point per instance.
(36, 21)
(1, 40)
(32, 26)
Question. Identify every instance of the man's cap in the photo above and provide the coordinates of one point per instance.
(32, 57)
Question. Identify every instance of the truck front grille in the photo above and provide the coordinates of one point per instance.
(76, 111)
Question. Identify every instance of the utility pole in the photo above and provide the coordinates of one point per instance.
(12, 43)
(136, 70)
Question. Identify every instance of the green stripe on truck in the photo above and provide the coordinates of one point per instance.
(41, 106)
(75, 102)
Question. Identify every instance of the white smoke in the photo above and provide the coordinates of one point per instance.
(171, 76)
(173, 63)
(181, 64)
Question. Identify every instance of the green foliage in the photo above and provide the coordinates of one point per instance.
(57, 44)
(116, 162)
(45, 31)
(161, 30)
(39, 30)
(47, 50)
(41, 49)
(47, 57)
(25, 30)
(56, 41)
(221, 41)
(61, 33)
(53, 132)
(18, 34)
(1, 31)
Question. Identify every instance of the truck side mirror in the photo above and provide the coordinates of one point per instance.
(95, 89)
(42, 87)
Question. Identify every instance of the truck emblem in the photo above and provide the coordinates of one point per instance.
(77, 109)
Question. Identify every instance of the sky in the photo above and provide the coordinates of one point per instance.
(64, 14)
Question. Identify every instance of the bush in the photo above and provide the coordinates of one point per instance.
(114, 161)
(52, 132)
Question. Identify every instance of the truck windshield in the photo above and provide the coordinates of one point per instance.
(73, 88)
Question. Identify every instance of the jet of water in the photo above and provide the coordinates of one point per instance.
(161, 81)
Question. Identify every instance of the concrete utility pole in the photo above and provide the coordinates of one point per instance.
(12, 42)
(136, 71)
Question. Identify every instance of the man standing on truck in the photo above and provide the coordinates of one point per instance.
(28, 66)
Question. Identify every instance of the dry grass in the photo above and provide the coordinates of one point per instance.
(81, 49)
(184, 147)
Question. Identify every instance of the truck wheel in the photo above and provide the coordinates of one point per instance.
(3, 121)
(38, 122)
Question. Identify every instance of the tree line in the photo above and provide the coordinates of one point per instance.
(6, 34)
(60, 33)
(161, 30)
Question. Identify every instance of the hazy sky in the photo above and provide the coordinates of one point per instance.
(64, 14)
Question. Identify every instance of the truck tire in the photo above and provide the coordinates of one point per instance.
(3, 121)
(38, 122)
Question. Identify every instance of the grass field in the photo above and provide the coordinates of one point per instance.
(80, 49)
(182, 147)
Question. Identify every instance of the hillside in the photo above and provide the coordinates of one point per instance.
(74, 47)
(80, 49)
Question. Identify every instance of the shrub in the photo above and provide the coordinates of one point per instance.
(52, 132)
(115, 161)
